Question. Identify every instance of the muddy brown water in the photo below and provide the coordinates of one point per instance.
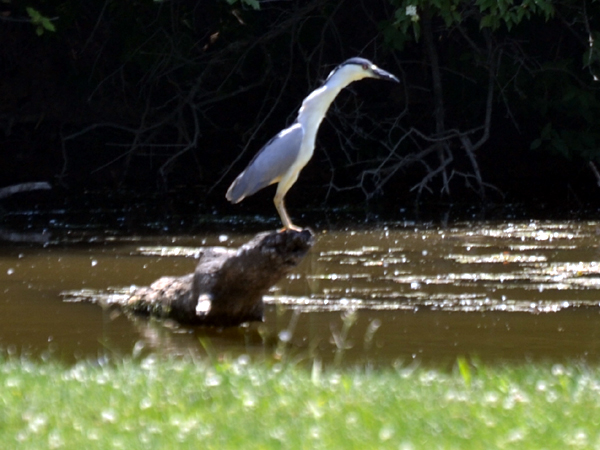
(498, 291)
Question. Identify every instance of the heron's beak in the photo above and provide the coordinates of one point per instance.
(383, 75)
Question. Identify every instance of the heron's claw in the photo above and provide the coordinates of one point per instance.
(292, 228)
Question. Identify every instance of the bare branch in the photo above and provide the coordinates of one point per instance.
(23, 187)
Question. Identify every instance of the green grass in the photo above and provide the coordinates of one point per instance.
(164, 404)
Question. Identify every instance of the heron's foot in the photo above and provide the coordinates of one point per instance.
(291, 227)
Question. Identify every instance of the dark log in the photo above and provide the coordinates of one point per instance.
(227, 287)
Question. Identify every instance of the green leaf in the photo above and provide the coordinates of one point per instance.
(47, 24)
(486, 21)
(417, 30)
(546, 6)
(560, 146)
(253, 3)
(34, 14)
(485, 5)
(546, 131)
(464, 369)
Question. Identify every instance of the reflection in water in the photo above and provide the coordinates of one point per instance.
(501, 291)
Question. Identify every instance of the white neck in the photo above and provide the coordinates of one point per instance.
(315, 106)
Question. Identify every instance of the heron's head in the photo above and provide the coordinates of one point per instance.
(357, 68)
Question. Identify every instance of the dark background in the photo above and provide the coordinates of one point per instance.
(163, 101)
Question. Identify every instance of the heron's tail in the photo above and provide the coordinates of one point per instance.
(236, 191)
(247, 183)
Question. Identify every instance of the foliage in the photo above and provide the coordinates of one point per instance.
(255, 4)
(511, 13)
(40, 22)
(532, 53)
(488, 13)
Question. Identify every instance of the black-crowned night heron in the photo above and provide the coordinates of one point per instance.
(284, 156)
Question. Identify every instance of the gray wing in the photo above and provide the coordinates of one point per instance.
(269, 164)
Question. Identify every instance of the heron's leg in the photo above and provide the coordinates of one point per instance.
(287, 223)
(282, 188)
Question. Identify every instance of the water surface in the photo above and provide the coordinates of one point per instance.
(397, 292)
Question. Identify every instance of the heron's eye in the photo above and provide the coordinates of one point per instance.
(365, 67)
